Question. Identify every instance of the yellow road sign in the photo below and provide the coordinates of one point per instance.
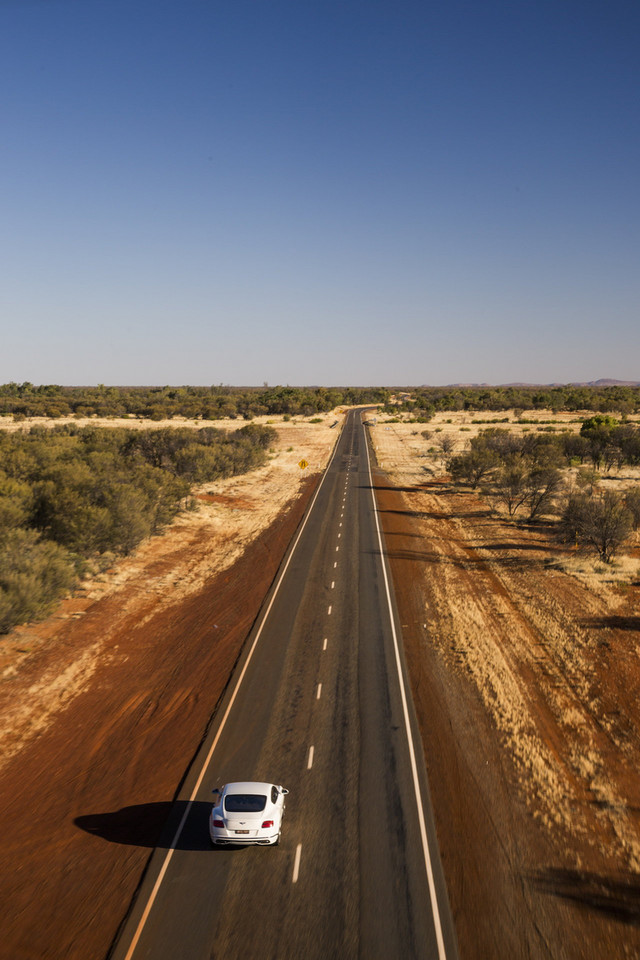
(303, 464)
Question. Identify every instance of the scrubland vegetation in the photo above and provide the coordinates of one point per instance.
(558, 474)
(221, 401)
(425, 401)
(162, 403)
(74, 497)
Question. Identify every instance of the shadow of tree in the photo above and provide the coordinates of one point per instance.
(614, 623)
(403, 533)
(419, 488)
(511, 545)
(421, 556)
(617, 897)
(467, 563)
(429, 515)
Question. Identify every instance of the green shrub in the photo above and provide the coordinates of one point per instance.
(92, 491)
(34, 574)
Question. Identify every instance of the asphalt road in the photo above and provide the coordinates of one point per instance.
(315, 704)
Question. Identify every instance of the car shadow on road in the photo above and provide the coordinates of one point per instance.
(153, 825)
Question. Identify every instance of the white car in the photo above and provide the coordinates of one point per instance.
(247, 812)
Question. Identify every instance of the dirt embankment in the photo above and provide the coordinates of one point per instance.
(527, 684)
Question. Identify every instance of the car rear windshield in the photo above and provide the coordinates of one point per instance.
(245, 802)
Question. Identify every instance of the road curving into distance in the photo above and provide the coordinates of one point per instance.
(319, 703)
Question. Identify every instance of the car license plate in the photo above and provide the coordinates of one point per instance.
(242, 831)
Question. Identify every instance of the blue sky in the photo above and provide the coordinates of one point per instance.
(354, 192)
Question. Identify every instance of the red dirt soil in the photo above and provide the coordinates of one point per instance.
(120, 746)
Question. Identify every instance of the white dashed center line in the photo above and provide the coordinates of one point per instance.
(324, 645)
(296, 864)
(330, 609)
(318, 691)
(333, 583)
(310, 760)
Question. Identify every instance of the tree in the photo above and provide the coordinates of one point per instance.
(543, 484)
(501, 442)
(632, 503)
(522, 482)
(598, 432)
(602, 523)
(575, 447)
(510, 487)
(587, 480)
(446, 443)
(474, 466)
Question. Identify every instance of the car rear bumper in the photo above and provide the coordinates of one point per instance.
(221, 836)
(227, 839)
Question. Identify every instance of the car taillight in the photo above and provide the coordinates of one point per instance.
(218, 823)
(267, 823)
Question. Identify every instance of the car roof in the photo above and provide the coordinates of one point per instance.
(247, 786)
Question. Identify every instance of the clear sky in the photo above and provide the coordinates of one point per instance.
(319, 191)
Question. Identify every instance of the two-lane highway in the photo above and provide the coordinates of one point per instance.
(318, 703)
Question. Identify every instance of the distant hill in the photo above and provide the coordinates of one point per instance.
(604, 382)
(608, 383)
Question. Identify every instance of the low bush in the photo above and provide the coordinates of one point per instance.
(34, 573)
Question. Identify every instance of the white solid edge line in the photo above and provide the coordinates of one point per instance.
(442, 954)
(171, 851)
(296, 864)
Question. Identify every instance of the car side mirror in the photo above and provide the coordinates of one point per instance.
(283, 790)
(216, 790)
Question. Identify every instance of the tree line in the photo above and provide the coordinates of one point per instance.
(526, 474)
(71, 495)
(220, 401)
(426, 401)
(161, 403)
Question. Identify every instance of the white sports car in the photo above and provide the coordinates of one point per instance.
(247, 812)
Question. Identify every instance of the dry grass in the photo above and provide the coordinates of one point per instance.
(547, 638)
(411, 459)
